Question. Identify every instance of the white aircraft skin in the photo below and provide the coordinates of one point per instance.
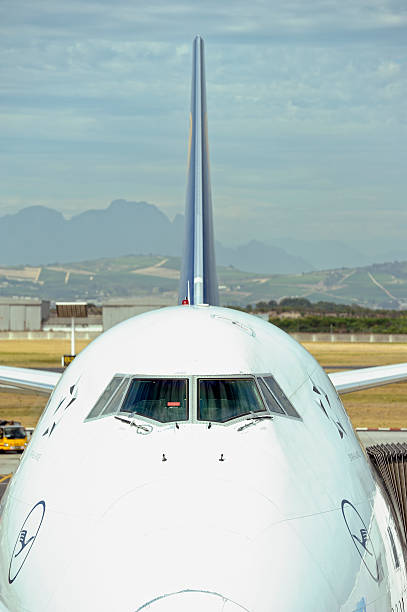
(116, 527)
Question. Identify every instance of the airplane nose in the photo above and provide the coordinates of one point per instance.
(185, 601)
(212, 546)
(164, 548)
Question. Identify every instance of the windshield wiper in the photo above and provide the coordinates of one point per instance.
(141, 429)
(254, 420)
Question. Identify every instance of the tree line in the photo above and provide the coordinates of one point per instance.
(330, 317)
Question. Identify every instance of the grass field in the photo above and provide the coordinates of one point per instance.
(381, 407)
(26, 407)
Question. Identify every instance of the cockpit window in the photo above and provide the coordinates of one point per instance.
(161, 399)
(275, 397)
(221, 400)
(166, 400)
(272, 403)
(111, 398)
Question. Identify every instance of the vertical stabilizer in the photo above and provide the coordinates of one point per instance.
(198, 275)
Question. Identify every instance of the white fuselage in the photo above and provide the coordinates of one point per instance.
(278, 514)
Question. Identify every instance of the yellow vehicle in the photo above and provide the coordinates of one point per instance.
(13, 438)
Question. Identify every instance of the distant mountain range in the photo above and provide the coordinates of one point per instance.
(38, 236)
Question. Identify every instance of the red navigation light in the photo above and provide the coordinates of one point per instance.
(185, 302)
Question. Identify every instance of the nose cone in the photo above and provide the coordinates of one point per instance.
(185, 601)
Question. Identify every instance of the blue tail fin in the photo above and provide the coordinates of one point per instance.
(198, 275)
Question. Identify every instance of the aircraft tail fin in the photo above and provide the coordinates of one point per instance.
(199, 282)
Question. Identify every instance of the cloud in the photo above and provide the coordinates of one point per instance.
(306, 102)
(389, 69)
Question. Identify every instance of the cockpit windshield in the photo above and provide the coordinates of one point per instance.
(168, 400)
(221, 400)
(162, 399)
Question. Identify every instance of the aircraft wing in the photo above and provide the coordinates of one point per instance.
(25, 379)
(365, 378)
(43, 382)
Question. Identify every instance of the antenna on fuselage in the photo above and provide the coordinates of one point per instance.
(199, 283)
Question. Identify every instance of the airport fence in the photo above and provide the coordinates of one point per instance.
(326, 337)
(47, 335)
(300, 336)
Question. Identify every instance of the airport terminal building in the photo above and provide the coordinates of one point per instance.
(33, 318)
(23, 314)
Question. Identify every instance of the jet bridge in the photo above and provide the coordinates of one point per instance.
(390, 463)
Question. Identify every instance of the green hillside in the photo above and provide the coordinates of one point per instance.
(376, 286)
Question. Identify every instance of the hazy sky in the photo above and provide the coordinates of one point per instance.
(306, 102)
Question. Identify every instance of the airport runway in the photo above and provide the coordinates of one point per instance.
(381, 436)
